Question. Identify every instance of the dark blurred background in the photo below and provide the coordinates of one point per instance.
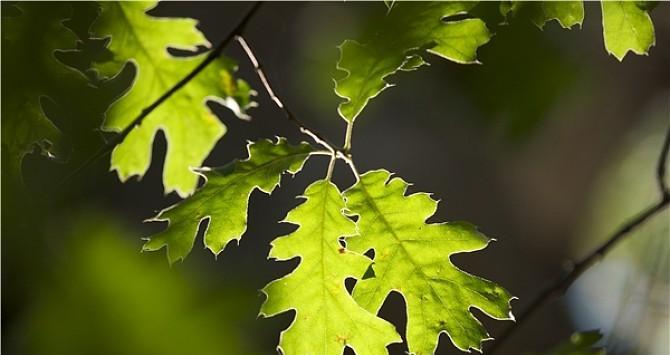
(547, 147)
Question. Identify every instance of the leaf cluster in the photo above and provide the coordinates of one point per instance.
(336, 231)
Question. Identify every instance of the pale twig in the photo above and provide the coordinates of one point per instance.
(337, 152)
(331, 167)
(258, 68)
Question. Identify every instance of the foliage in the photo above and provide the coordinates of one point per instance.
(412, 258)
(327, 317)
(140, 43)
(398, 43)
(626, 27)
(224, 199)
(335, 230)
(566, 13)
(415, 28)
(626, 24)
(31, 34)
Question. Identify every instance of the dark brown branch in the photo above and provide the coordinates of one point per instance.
(563, 283)
(213, 54)
(258, 68)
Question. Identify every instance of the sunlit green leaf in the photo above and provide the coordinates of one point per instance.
(411, 27)
(225, 198)
(191, 129)
(327, 318)
(566, 13)
(626, 27)
(581, 343)
(413, 258)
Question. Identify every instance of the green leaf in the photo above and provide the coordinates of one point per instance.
(191, 129)
(30, 73)
(224, 199)
(566, 13)
(411, 27)
(626, 27)
(412, 258)
(581, 343)
(327, 317)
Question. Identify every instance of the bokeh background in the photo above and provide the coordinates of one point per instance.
(547, 146)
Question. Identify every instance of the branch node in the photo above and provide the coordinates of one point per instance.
(337, 152)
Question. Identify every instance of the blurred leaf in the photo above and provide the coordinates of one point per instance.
(626, 27)
(514, 95)
(327, 317)
(106, 298)
(581, 343)
(410, 30)
(225, 198)
(139, 43)
(31, 74)
(412, 258)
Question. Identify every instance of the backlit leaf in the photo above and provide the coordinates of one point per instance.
(626, 27)
(140, 42)
(225, 198)
(410, 30)
(326, 316)
(413, 258)
(566, 13)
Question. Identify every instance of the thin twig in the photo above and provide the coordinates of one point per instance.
(258, 68)
(211, 56)
(347, 159)
(331, 166)
(337, 152)
(662, 166)
(563, 283)
(347, 136)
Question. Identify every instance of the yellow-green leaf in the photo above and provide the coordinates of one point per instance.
(224, 199)
(326, 316)
(191, 129)
(566, 13)
(413, 258)
(626, 27)
(410, 27)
